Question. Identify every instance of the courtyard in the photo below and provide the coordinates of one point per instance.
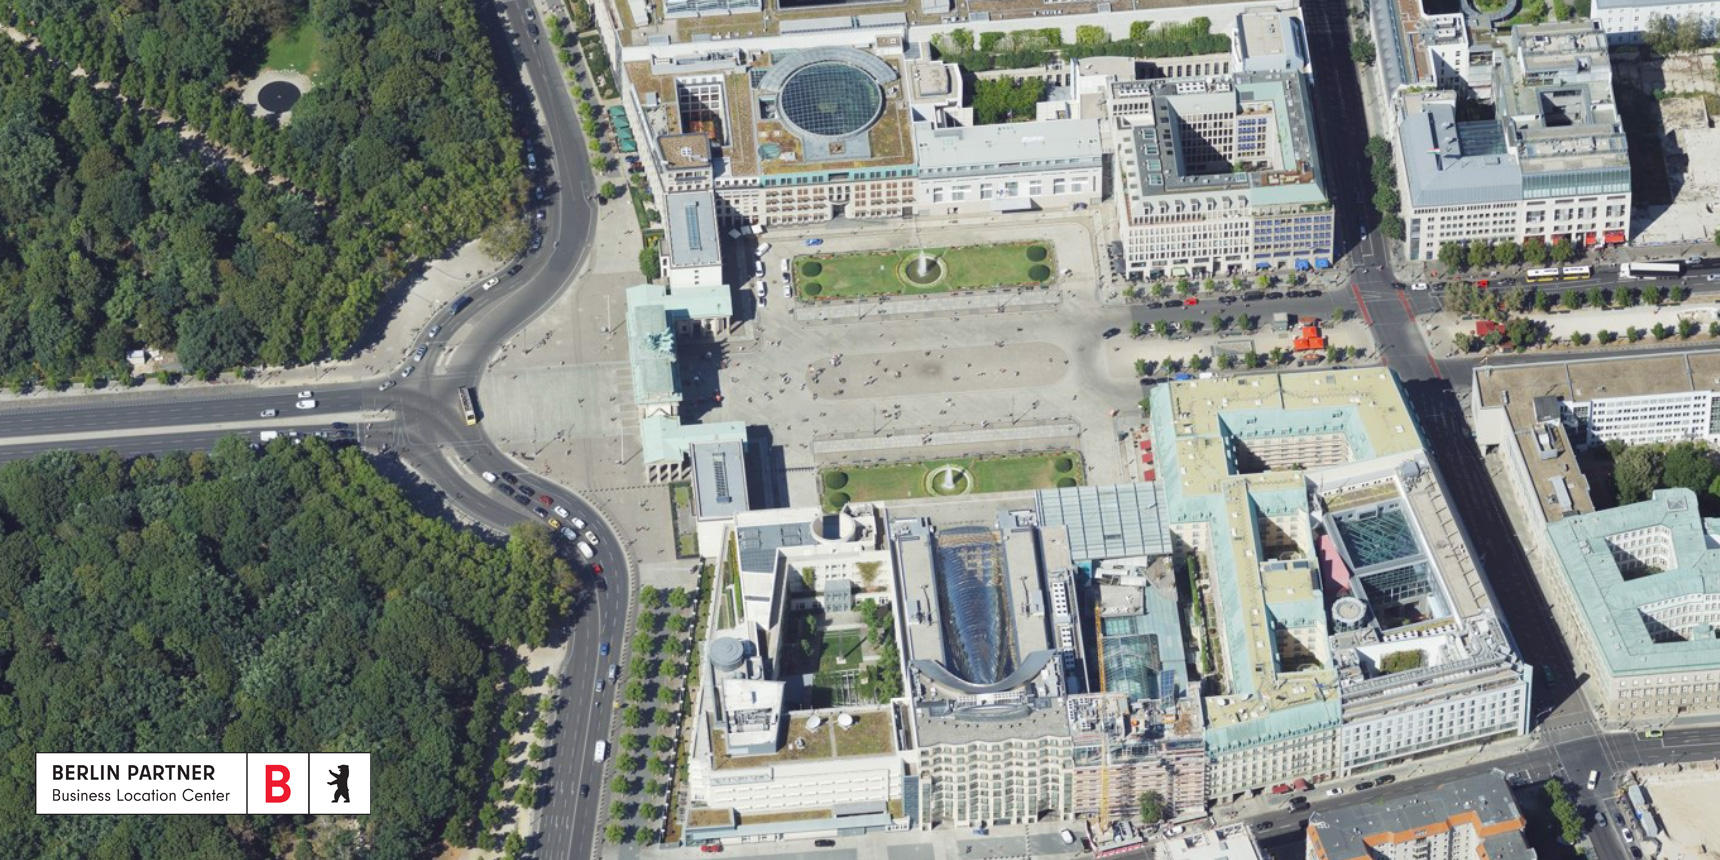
(899, 272)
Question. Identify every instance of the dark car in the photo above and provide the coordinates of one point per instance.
(533, 28)
(510, 478)
(1384, 779)
(504, 489)
(515, 269)
(584, 790)
(523, 500)
(603, 649)
(1227, 300)
(1153, 306)
(824, 843)
(1274, 296)
(459, 305)
(528, 490)
(540, 512)
(1111, 333)
(1293, 294)
(1364, 786)
(1253, 296)
(338, 425)
(1262, 827)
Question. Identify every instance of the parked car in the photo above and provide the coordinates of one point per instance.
(1334, 791)
(561, 512)
(824, 843)
(1262, 827)
(1191, 301)
(418, 354)
(813, 243)
(1274, 296)
(407, 370)
(490, 477)
(1364, 786)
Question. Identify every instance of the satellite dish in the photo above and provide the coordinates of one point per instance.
(844, 721)
(813, 722)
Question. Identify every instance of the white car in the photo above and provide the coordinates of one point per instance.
(407, 371)
(270, 413)
(490, 476)
(562, 512)
(576, 522)
(1334, 792)
(492, 282)
(1418, 285)
(763, 249)
(591, 537)
(760, 289)
(386, 384)
(306, 404)
(788, 291)
(306, 394)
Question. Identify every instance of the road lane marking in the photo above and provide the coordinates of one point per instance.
(281, 424)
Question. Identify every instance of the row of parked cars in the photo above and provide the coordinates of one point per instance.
(560, 519)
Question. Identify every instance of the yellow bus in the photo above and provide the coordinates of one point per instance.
(466, 406)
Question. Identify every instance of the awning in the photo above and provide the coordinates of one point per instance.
(1262, 265)
(1322, 263)
(1012, 204)
(1302, 266)
(1589, 239)
(1615, 238)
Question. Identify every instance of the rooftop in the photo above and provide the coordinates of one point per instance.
(1033, 144)
(1109, 521)
(692, 229)
(871, 734)
(1644, 576)
(719, 479)
(1482, 802)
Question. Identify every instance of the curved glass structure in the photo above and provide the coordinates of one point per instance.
(978, 636)
(831, 98)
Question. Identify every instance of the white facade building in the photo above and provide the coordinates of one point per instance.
(1625, 21)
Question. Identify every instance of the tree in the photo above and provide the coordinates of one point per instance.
(1507, 253)
(1535, 251)
(1362, 48)
(215, 338)
(1636, 472)
(505, 239)
(649, 265)
(1137, 328)
(1564, 811)
(1452, 256)
(1690, 466)
(1606, 336)
(679, 599)
(1570, 300)
(1597, 298)
(1478, 254)
(1153, 808)
(1562, 251)
(1633, 334)
(615, 833)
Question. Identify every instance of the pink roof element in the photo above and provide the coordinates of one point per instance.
(1332, 568)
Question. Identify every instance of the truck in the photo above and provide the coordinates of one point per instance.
(268, 435)
(600, 752)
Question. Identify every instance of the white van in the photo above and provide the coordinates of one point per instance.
(268, 435)
(763, 249)
(1068, 836)
(600, 752)
(585, 551)
(1594, 779)
(785, 268)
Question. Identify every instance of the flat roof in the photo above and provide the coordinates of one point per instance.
(720, 479)
(1032, 143)
(692, 229)
(664, 439)
(1614, 606)
(1482, 802)
(1109, 521)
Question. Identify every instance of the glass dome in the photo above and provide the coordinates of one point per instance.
(831, 99)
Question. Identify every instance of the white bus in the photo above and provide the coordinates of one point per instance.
(1575, 273)
(1651, 271)
(1541, 276)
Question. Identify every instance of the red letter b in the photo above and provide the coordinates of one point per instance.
(275, 788)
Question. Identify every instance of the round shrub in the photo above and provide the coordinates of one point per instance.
(1064, 464)
(811, 268)
(1036, 253)
(836, 480)
(1065, 482)
(1039, 273)
(812, 289)
(837, 500)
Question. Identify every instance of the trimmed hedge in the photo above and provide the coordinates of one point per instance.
(836, 480)
(813, 288)
(837, 500)
(1065, 482)
(812, 268)
(1064, 464)
(1036, 253)
(1039, 273)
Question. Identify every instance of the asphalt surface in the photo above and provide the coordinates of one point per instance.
(417, 421)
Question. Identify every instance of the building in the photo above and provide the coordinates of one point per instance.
(1626, 21)
(1007, 723)
(656, 319)
(1551, 164)
(1219, 175)
(673, 9)
(1049, 164)
(1350, 629)
(693, 251)
(1474, 818)
(1633, 587)
(1221, 843)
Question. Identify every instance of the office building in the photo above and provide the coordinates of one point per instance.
(1627, 21)
(1350, 628)
(1474, 818)
(1632, 587)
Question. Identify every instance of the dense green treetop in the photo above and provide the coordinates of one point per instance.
(282, 600)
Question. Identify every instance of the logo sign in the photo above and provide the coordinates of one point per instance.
(202, 783)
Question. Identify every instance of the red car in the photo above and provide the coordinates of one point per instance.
(545, 499)
(597, 569)
(711, 848)
(1191, 301)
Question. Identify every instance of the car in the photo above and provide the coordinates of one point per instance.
(1190, 302)
(538, 243)
(591, 537)
(305, 404)
(407, 370)
(545, 499)
(1384, 779)
(385, 385)
(584, 790)
(515, 269)
(491, 283)
(1253, 296)
(824, 843)
(614, 672)
(813, 243)
(270, 413)
(1177, 830)
(569, 534)
(597, 569)
(1628, 837)
(1110, 333)
(1711, 278)
(418, 354)
(528, 489)
(532, 27)
(307, 394)
(434, 330)
(1263, 826)
(787, 290)
(561, 512)
(599, 685)
(490, 477)
(1600, 820)
(530, 15)
(603, 649)
(1274, 296)
(504, 490)
(711, 848)
(1619, 817)
(1651, 734)
(759, 288)
(1153, 306)
(1298, 801)
(523, 500)
(542, 514)
(1334, 791)
(553, 523)
(576, 522)
(1227, 300)
(762, 250)
(460, 303)
(1594, 779)
(1418, 286)
(1364, 786)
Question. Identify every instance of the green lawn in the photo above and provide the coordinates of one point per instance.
(295, 50)
(877, 273)
(989, 475)
(840, 643)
